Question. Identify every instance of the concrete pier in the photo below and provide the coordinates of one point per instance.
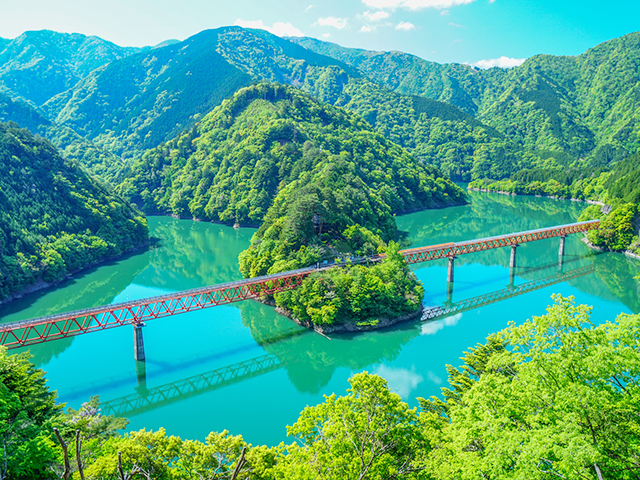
(512, 260)
(450, 270)
(512, 277)
(561, 250)
(138, 342)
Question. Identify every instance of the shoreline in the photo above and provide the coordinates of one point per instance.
(40, 284)
(502, 192)
(350, 327)
(627, 253)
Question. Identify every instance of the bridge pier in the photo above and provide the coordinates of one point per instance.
(138, 344)
(512, 260)
(561, 250)
(450, 270)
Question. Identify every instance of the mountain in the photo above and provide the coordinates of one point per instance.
(581, 105)
(135, 103)
(72, 146)
(38, 65)
(54, 218)
(230, 166)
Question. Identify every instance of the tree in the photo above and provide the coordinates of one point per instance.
(562, 400)
(367, 434)
(27, 414)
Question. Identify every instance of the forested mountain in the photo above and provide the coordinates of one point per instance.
(72, 146)
(54, 218)
(579, 105)
(230, 166)
(40, 64)
(135, 103)
(272, 141)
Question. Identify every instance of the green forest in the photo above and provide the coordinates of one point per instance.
(319, 147)
(556, 396)
(616, 185)
(55, 219)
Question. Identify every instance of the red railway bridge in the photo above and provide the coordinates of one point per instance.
(136, 312)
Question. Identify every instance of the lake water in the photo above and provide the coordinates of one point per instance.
(246, 369)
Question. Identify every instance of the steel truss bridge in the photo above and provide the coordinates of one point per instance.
(145, 399)
(136, 312)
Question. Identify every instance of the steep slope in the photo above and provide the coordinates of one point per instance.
(137, 102)
(581, 105)
(72, 146)
(40, 64)
(54, 218)
(230, 166)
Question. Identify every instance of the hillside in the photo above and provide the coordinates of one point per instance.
(54, 219)
(580, 105)
(72, 146)
(40, 64)
(229, 167)
(137, 102)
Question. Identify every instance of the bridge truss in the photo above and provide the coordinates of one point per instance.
(136, 312)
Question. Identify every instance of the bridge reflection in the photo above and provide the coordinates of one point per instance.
(145, 399)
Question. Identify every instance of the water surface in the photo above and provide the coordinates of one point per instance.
(247, 369)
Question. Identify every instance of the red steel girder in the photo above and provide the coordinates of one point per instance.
(43, 329)
(52, 327)
(423, 254)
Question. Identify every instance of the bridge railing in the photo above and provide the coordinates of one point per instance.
(51, 327)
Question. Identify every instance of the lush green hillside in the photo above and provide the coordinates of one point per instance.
(128, 107)
(55, 219)
(40, 64)
(72, 146)
(579, 105)
(138, 102)
(231, 165)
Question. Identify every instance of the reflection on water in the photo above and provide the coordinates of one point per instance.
(245, 368)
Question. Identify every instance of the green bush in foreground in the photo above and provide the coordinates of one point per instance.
(555, 397)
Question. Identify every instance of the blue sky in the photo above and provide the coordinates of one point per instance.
(464, 31)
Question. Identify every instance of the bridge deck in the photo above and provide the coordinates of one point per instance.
(51, 327)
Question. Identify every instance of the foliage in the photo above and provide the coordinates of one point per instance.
(55, 219)
(369, 433)
(27, 414)
(555, 396)
(357, 294)
(37, 65)
(616, 230)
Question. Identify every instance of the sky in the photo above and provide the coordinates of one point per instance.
(479, 32)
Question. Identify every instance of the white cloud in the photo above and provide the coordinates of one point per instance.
(375, 16)
(400, 380)
(440, 4)
(309, 8)
(326, 35)
(431, 328)
(338, 23)
(280, 29)
(383, 3)
(502, 62)
(366, 29)
(414, 4)
(451, 24)
(406, 26)
(434, 378)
